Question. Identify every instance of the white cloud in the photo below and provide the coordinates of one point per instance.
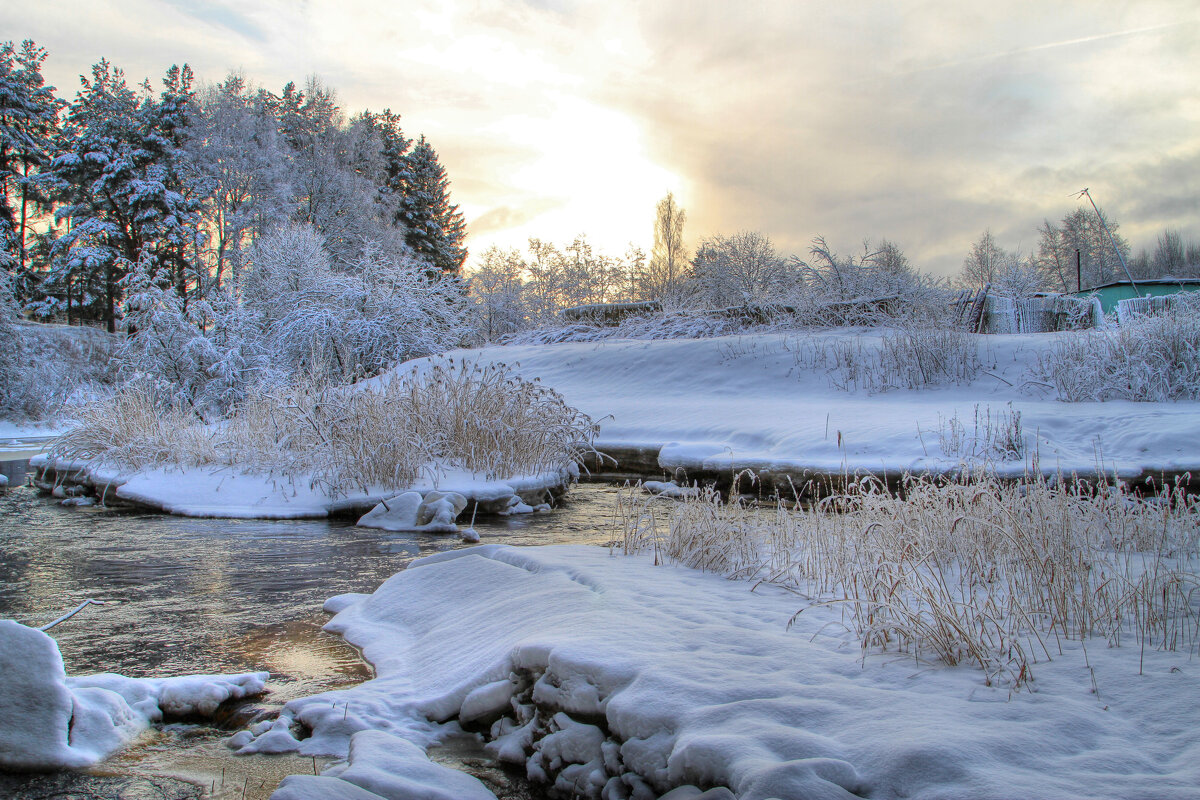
(921, 121)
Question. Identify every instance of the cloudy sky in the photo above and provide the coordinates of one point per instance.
(922, 121)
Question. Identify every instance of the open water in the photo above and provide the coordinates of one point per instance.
(210, 595)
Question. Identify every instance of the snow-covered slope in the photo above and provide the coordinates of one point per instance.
(750, 401)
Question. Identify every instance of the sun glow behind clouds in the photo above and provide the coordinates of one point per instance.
(590, 165)
(924, 122)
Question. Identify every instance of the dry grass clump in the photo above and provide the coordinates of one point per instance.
(484, 419)
(132, 428)
(994, 437)
(979, 572)
(1150, 359)
(913, 356)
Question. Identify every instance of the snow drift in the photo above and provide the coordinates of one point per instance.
(612, 677)
(49, 721)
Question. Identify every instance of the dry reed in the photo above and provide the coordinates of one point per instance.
(484, 419)
(981, 572)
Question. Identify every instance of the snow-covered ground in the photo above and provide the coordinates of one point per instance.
(614, 677)
(756, 402)
(745, 401)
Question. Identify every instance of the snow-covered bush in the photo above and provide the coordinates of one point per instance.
(437, 415)
(877, 288)
(1150, 359)
(739, 270)
(297, 317)
(9, 344)
(975, 572)
(44, 369)
(198, 355)
(353, 322)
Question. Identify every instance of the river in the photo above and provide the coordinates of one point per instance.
(209, 595)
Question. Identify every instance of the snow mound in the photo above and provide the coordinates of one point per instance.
(49, 721)
(384, 766)
(611, 677)
(435, 512)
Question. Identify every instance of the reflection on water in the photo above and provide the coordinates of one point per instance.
(207, 595)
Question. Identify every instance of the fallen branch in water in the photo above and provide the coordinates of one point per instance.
(73, 612)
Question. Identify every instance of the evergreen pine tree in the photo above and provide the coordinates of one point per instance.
(435, 228)
(121, 204)
(28, 121)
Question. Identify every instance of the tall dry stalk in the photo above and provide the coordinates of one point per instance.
(982, 572)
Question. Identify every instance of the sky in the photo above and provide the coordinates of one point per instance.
(923, 122)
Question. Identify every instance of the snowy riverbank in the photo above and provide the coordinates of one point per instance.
(758, 402)
(614, 677)
(770, 403)
(241, 494)
(51, 721)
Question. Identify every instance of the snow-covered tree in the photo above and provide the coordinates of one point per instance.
(497, 288)
(28, 120)
(348, 322)
(668, 268)
(740, 269)
(1081, 230)
(120, 200)
(328, 190)
(436, 229)
(985, 262)
(235, 162)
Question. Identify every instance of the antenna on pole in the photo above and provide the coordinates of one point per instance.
(1085, 193)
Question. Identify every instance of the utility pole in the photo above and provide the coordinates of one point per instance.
(1084, 193)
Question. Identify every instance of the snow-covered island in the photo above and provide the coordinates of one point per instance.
(778, 404)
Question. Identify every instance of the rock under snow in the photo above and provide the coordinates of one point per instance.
(435, 512)
(49, 721)
(617, 678)
(439, 510)
(397, 513)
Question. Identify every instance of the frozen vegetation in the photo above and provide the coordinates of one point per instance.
(631, 676)
(481, 432)
(289, 335)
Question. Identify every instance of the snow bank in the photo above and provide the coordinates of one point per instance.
(612, 677)
(49, 721)
(236, 493)
(736, 402)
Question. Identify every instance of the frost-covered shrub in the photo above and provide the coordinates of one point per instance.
(353, 322)
(297, 317)
(383, 435)
(877, 288)
(911, 356)
(1150, 359)
(671, 324)
(45, 369)
(737, 270)
(9, 344)
(197, 355)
